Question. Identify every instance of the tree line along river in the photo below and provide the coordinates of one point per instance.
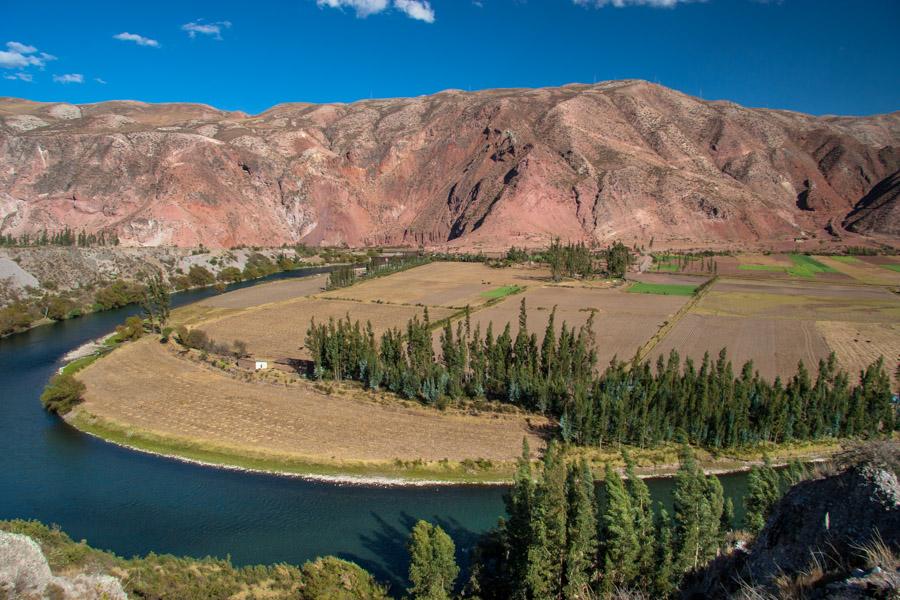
(133, 503)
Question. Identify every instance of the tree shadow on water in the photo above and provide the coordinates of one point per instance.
(388, 541)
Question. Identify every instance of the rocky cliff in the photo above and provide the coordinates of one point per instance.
(618, 160)
(829, 537)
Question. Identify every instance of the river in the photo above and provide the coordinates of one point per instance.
(132, 503)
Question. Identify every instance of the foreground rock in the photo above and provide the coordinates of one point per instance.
(834, 537)
(618, 160)
(25, 575)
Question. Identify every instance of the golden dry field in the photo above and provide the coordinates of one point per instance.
(447, 284)
(156, 392)
(146, 386)
(861, 270)
(857, 345)
(622, 321)
(278, 330)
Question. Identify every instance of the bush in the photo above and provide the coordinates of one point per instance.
(15, 318)
(59, 308)
(338, 579)
(62, 393)
(132, 329)
(200, 276)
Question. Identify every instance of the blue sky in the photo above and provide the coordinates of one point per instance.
(816, 56)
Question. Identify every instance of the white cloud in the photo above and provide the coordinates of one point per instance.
(416, 9)
(22, 56)
(211, 29)
(137, 39)
(624, 3)
(21, 48)
(69, 78)
(363, 8)
(20, 76)
(98, 80)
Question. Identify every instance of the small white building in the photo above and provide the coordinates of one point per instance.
(262, 364)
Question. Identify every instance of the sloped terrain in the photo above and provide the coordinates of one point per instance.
(617, 160)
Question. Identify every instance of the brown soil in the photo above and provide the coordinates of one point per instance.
(279, 330)
(148, 387)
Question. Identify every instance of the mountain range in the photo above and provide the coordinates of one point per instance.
(625, 160)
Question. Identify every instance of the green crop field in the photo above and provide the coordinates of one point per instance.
(501, 292)
(847, 260)
(663, 289)
(892, 267)
(807, 266)
(762, 268)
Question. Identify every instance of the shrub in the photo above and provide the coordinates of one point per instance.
(132, 329)
(62, 393)
(200, 276)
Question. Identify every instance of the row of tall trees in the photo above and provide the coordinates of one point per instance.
(64, 237)
(627, 403)
(564, 538)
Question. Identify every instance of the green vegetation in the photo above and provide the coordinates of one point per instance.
(558, 542)
(628, 403)
(62, 393)
(570, 260)
(807, 266)
(663, 289)
(700, 262)
(340, 277)
(892, 267)
(166, 577)
(847, 260)
(501, 292)
(618, 257)
(432, 566)
(64, 237)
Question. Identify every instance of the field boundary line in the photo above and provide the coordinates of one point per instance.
(645, 350)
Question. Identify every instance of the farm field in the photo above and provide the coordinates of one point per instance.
(278, 330)
(622, 322)
(857, 345)
(862, 270)
(146, 386)
(276, 291)
(774, 345)
(794, 267)
(798, 300)
(446, 284)
(777, 323)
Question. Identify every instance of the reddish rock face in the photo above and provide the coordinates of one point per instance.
(621, 160)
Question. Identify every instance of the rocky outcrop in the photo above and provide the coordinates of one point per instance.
(879, 210)
(817, 534)
(25, 575)
(618, 160)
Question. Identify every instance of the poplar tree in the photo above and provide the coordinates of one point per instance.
(620, 543)
(581, 549)
(432, 569)
(664, 574)
(642, 509)
(762, 492)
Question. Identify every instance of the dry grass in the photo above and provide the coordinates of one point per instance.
(862, 271)
(267, 293)
(777, 300)
(148, 387)
(857, 345)
(622, 322)
(278, 330)
(447, 284)
(774, 345)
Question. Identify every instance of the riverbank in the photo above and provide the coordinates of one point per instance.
(652, 463)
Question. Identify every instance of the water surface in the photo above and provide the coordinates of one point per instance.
(133, 503)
